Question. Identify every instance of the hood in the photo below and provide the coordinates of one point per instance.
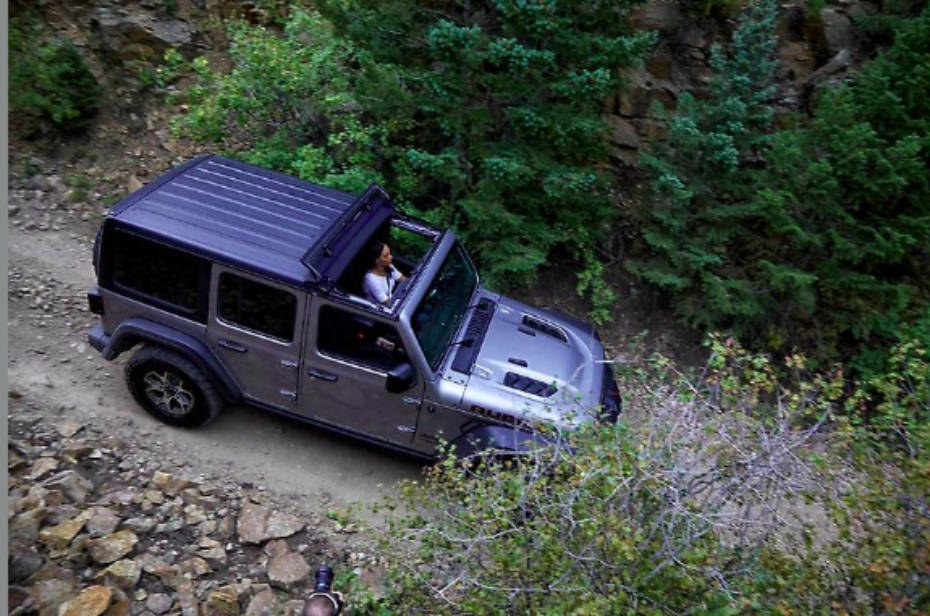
(536, 364)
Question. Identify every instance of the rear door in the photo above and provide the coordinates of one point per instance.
(349, 353)
(255, 329)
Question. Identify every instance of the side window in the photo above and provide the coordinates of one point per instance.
(142, 267)
(359, 339)
(257, 307)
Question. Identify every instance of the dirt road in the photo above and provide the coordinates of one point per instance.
(52, 367)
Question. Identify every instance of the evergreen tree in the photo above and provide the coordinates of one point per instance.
(853, 188)
(506, 96)
(813, 234)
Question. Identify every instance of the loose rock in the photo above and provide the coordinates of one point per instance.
(42, 467)
(222, 602)
(287, 569)
(159, 603)
(112, 547)
(58, 537)
(71, 483)
(92, 601)
(124, 573)
(262, 604)
(103, 522)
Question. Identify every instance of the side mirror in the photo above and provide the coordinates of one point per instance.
(400, 378)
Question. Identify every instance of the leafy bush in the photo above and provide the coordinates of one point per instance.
(814, 235)
(718, 494)
(158, 77)
(48, 79)
(288, 104)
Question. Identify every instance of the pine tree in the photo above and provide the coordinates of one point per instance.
(506, 96)
(698, 221)
(816, 234)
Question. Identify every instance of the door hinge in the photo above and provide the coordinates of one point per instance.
(287, 363)
(288, 394)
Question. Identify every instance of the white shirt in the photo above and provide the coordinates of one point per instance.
(379, 288)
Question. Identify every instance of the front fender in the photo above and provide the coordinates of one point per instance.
(135, 330)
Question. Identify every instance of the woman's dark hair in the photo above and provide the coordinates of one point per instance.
(374, 251)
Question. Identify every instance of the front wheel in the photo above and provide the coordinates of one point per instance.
(171, 388)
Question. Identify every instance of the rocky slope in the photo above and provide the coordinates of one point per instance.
(100, 526)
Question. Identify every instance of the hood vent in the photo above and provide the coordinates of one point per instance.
(545, 327)
(530, 386)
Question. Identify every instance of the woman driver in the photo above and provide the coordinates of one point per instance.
(381, 280)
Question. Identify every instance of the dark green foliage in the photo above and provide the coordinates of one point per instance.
(48, 79)
(483, 117)
(289, 101)
(697, 225)
(506, 96)
(816, 234)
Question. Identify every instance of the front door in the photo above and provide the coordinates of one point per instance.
(345, 368)
(254, 329)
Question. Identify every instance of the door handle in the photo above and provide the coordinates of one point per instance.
(232, 346)
(320, 374)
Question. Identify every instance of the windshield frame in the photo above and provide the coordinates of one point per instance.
(436, 356)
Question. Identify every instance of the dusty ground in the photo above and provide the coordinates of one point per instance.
(51, 364)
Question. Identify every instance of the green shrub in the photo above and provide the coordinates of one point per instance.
(160, 75)
(815, 235)
(48, 79)
(719, 494)
(288, 103)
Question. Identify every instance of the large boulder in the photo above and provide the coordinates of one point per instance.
(133, 35)
(839, 30)
(257, 524)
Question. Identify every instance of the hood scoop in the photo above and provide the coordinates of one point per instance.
(544, 327)
(528, 385)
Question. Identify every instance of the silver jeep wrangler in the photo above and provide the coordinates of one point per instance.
(242, 285)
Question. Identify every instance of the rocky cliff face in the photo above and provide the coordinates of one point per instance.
(814, 47)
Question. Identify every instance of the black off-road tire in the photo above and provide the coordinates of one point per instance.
(171, 388)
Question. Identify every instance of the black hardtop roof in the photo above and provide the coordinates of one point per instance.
(267, 222)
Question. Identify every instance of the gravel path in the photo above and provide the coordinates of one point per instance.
(52, 366)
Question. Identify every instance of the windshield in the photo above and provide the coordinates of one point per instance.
(439, 313)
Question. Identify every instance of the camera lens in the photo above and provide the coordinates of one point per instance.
(324, 579)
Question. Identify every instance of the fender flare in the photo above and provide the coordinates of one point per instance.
(499, 438)
(135, 330)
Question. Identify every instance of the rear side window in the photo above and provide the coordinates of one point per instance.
(257, 307)
(153, 271)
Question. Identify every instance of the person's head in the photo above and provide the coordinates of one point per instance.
(379, 254)
(320, 606)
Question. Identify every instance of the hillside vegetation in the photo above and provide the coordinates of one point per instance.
(788, 475)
